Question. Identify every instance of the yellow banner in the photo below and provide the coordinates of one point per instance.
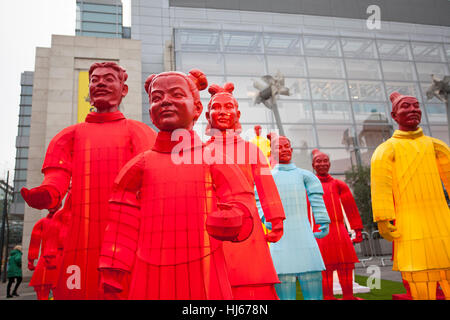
(84, 106)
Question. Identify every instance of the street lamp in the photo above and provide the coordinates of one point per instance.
(2, 231)
(440, 89)
(268, 91)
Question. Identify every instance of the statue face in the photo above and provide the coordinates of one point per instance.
(223, 113)
(284, 154)
(106, 90)
(321, 164)
(172, 104)
(407, 114)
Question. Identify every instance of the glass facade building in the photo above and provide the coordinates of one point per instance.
(339, 72)
(22, 141)
(339, 86)
(100, 18)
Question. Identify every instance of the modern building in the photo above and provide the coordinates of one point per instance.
(101, 18)
(340, 67)
(22, 142)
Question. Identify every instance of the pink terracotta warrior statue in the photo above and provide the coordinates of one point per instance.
(171, 210)
(337, 249)
(251, 270)
(407, 172)
(44, 276)
(90, 154)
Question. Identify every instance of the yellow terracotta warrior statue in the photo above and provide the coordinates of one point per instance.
(406, 174)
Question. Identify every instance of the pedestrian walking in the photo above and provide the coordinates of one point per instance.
(14, 272)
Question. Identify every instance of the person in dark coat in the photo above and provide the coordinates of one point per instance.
(14, 272)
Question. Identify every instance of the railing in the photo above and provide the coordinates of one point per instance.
(364, 249)
(373, 245)
(382, 247)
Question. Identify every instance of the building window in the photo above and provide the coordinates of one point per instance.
(425, 70)
(363, 69)
(284, 44)
(436, 113)
(25, 100)
(368, 110)
(244, 64)
(321, 46)
(325, 111)
(22, 153)
(24, 131)
(24, 120)
(26, 90)
(328, 90)
(394, 49)
(358, 48)
(325, 67)
(197, 40)
(366, 90)
(398, 70)
(212, 63)
(242, 42)
(290, 66)
(20, 175)
(423, 51)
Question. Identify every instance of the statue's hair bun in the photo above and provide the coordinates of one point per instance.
(199, 79)
(215, 88)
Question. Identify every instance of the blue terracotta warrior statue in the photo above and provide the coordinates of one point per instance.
(297, 254)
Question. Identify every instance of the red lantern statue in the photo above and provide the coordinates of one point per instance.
(337, 249)
(170, 209)
(90, 154)
(251, 271)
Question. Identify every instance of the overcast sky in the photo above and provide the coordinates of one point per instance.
(25, 25)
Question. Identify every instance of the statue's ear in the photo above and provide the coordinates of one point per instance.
(124, 90)
(393, 115)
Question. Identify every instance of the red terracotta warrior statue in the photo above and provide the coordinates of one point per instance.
(251, 271)
(337, 249)
(59, 229)
(170, 209)
(44, 276)
(90, 154)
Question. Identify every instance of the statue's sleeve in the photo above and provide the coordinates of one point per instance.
(56, 236)
(443, 161)
(57, 166)
(349, 204)
(233, 189)
(142, 136)
(122, 230)
(314, 190)
(269, 201)
(35, 241)
(381, 176)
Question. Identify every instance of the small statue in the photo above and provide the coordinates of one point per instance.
(337, 249)
(261, 142)
(90, 154)
(44, 275)
(171, 208)
(406, 174)
(251, 271)
(297, 254)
